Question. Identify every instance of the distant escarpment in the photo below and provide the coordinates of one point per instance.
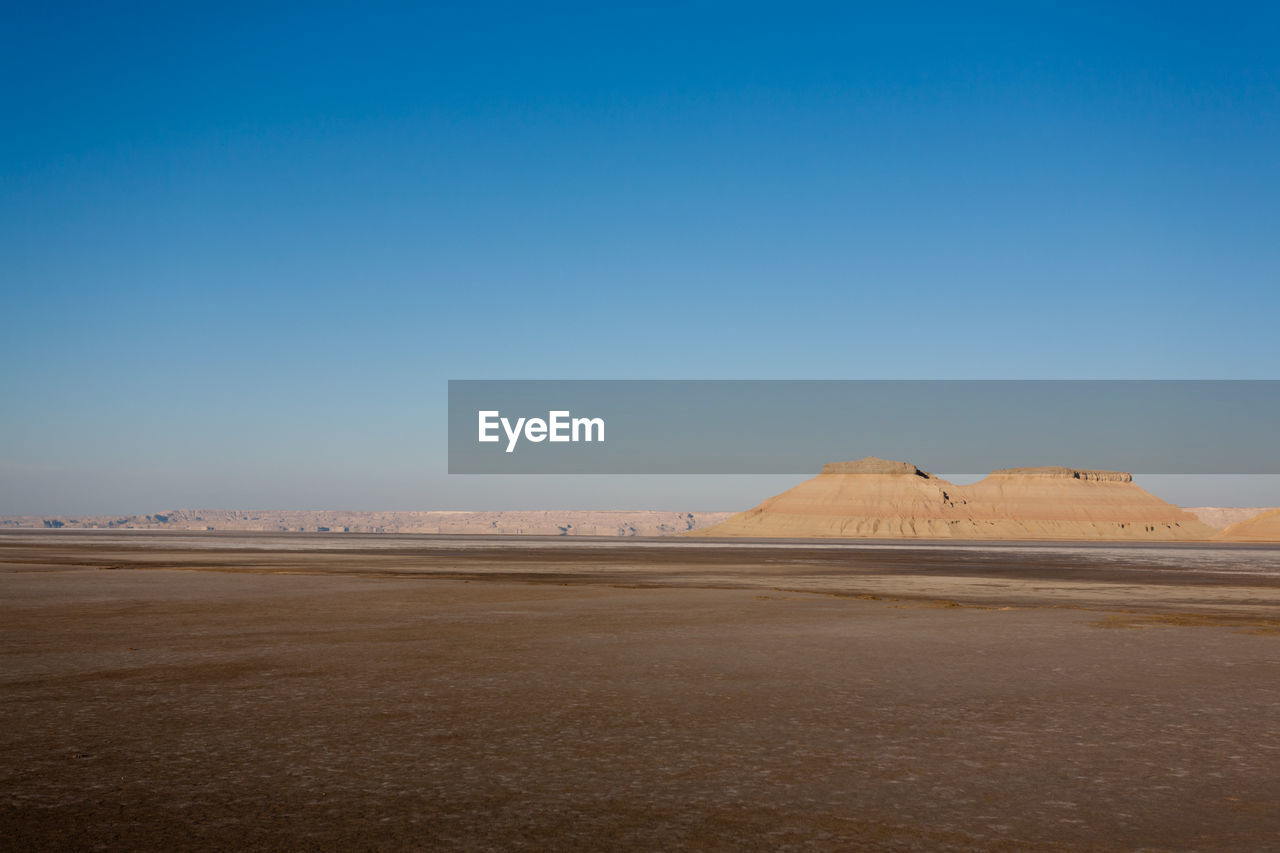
(879, 498)
(523, 522)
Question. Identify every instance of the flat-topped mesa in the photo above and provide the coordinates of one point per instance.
(899, 501)
(1058, 472)
(875, 465)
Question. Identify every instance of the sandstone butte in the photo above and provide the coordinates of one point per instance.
(880, 499)
(1263, 528)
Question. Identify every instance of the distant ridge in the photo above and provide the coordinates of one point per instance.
(1225, 516)
(527, 522)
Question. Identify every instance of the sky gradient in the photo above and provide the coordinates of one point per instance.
(241, 251)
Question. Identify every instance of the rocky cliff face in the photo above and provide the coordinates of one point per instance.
(1057, 472)
(874, 465)
(877, 498)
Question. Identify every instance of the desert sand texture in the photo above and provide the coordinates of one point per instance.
(877, 498)
(297, 692)
(1262, 528)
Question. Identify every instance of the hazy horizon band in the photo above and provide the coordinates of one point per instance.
(796, 426)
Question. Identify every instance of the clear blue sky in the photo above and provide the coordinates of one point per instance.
(242, 250)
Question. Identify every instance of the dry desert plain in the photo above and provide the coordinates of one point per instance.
(302, 691)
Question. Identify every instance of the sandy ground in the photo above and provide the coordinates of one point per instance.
(232, 691)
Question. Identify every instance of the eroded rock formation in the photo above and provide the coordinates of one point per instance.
(879, 498)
